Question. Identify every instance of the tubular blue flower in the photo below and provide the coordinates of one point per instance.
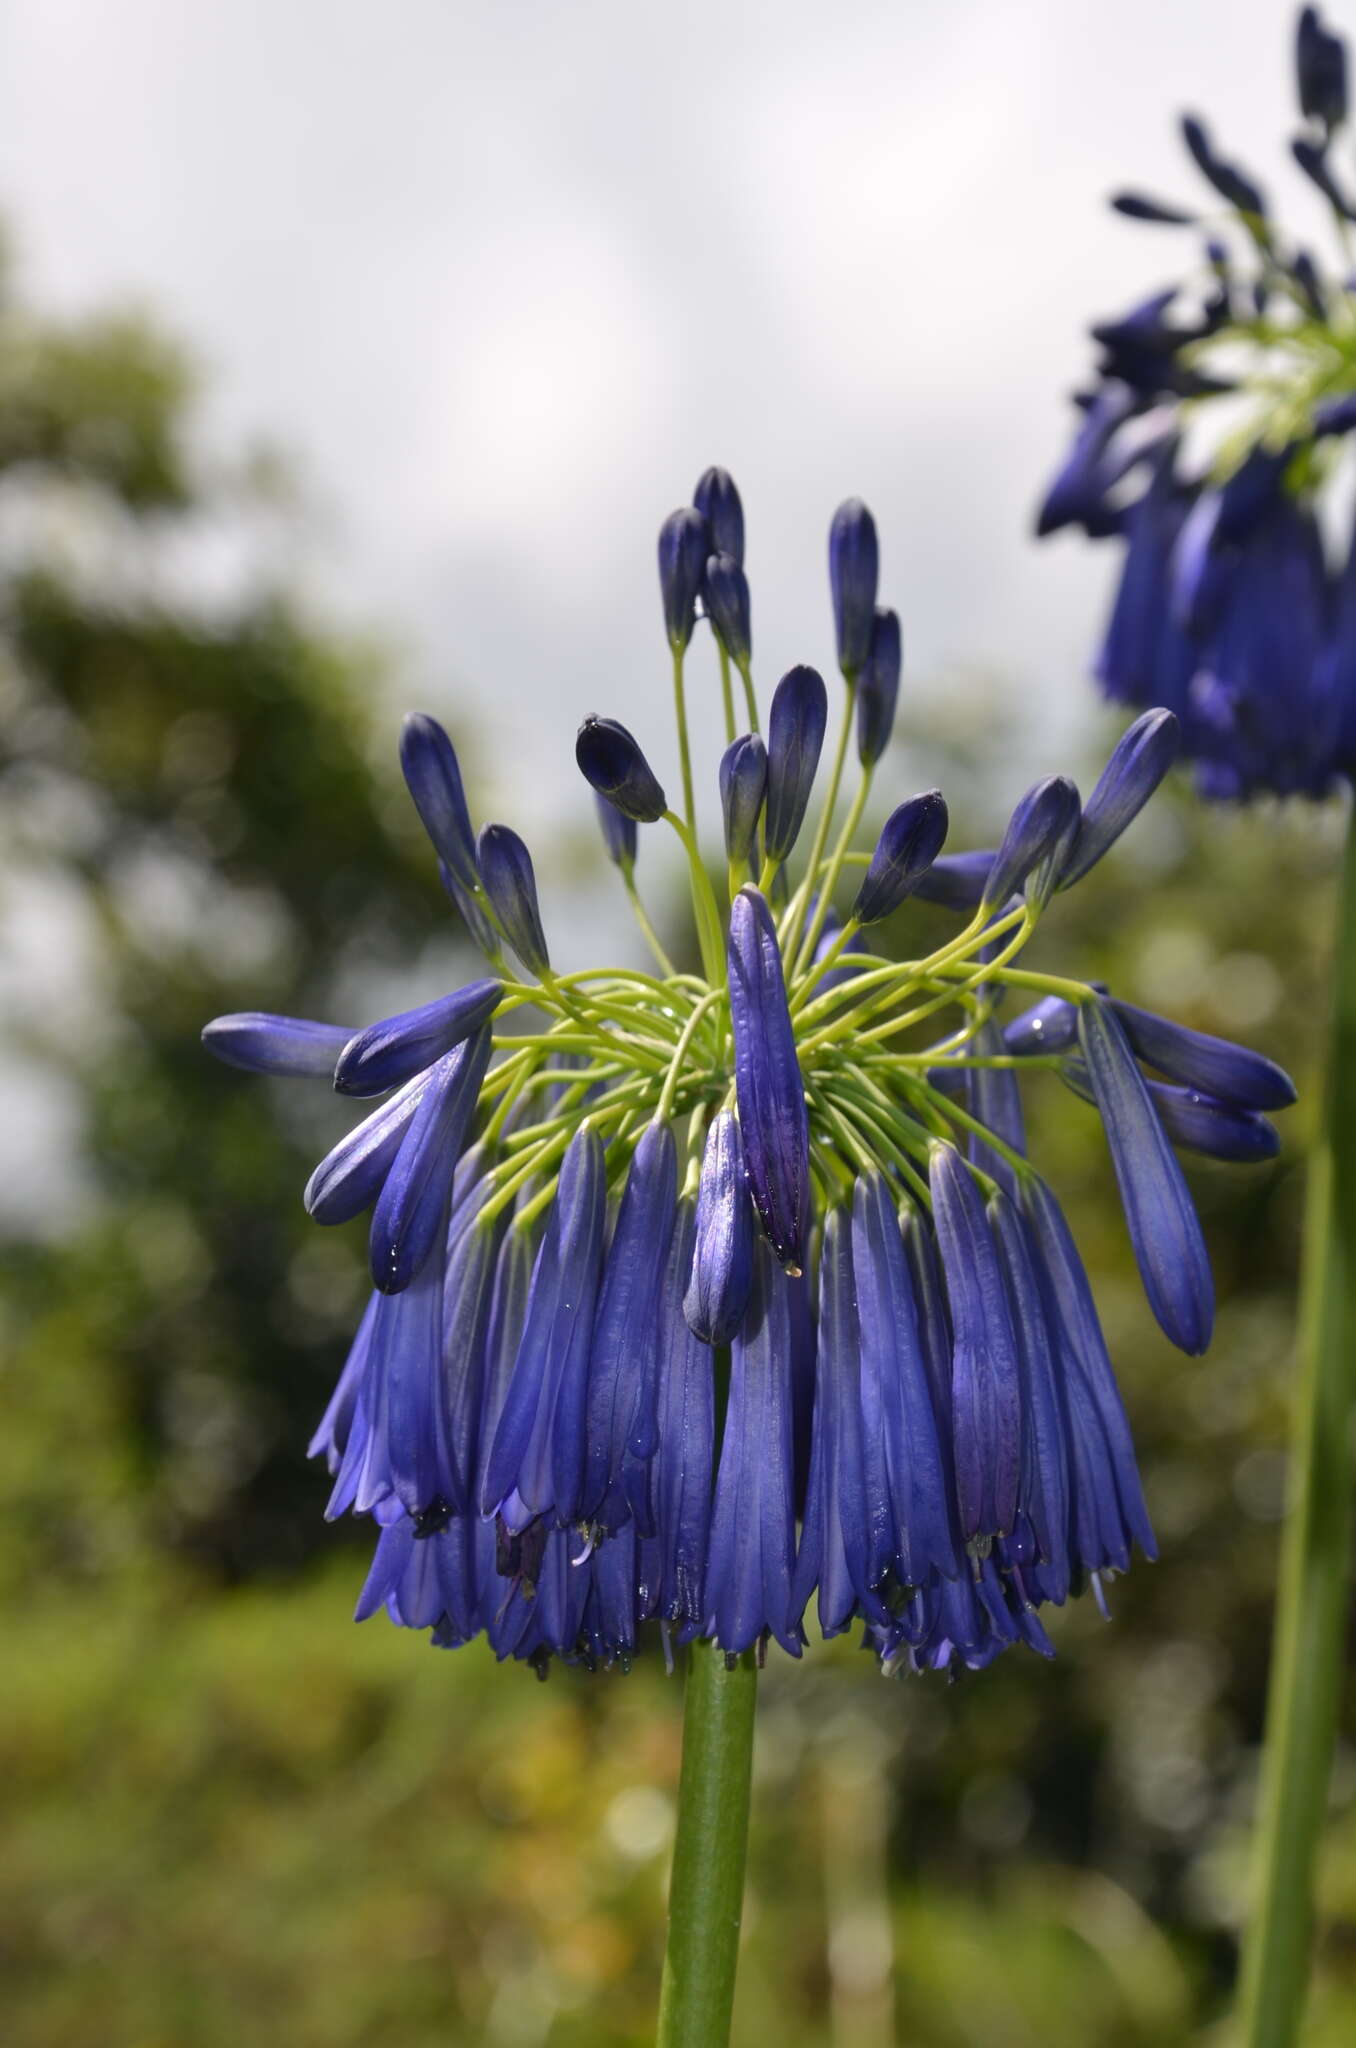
(411, 1212)
(506, 871)
(986, 1420)
(349, 1178)
(1195, 1122)
(263, 1044)
(717, 1286)
(795, 738)
(743, 786)
(726, 591)
(1320, 71)
(957, 880)
(1139, 761)
(619, 834)
(996, 1099)
(878, 687)
(684, 545)
(911, 839)
(768, 1083)
(854, 570)
(610, 759)
(1051, 1025)
(433, 777)
(720, 506)
(1035, 845)
(1164, 1230)
(1312, 158)
(750, 1559)
(1214, 1065)
(400, 1047)
(1041, 1522)
(1139, 206)
(685, 1459)
(1232, 184)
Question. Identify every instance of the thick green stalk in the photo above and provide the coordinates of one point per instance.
(1311, 1603)
(706, 1894)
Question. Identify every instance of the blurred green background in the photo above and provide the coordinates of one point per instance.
(228, 1814)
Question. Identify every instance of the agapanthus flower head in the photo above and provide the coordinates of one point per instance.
(1230, 608)
(707, 1295)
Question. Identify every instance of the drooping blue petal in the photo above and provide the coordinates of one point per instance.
(684, 544)
(910, 840)
(1195, 1122)
(685, 1460)
(743, 786)
(398, 1047)
(398, 1436)
(332, 1433)
(929, 1294)
(264, 1044)
(432, 773)
(410, 1215)
(897, 1408)
(511, 885)
(717, 1288)
(854, 570)
(1139, 761)
(768, 1083)
(718, 501)
(349, 1178)
(1164, 1228)
(1041, 1527)
(986, 1417)
(1214, 1065)
(726, 591)
(878, 687)
(996, 1099)
(751, 1556)
(610, 759)
(623, 1360)
(795, 738)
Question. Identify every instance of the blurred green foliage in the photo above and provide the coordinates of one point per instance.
(232, 1816)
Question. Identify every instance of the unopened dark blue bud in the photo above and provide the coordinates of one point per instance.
(1051, 1025)
(911, 838)
(1216, 1066)
(854, 571)
(1312, 159)
(726, 591)
(878, 688)
(957, 880)
(1138, 206)
(1195, 1122)
(743, 786)
(263, 1044)
(429, 762)
(1320, 70)
(619, 833)
(719, 504)
(1231, 183)
(769, 1087)
(511, 885)
(390, 1052)
(611, 760)
(1139, 761)
(349, 1178)
(722, 1257)
(684, 544)
(795, 737)
(1036, 843)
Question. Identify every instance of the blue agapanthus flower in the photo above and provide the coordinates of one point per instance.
(707, 1294)
(1212, 444)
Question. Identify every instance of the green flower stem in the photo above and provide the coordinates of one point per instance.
(726, 692)
(709, 932)
(829, 881)
(684, 750)
(707, 1889)
(750, 698)
(681, 1051)
(1311, 1602)
(647, 930)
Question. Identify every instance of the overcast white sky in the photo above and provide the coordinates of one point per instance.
(506, 277)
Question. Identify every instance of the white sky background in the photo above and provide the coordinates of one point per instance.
(504, 278)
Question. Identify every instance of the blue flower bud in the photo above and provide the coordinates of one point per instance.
(429, 762)
(1164, 1228)
(684, 1463)
(1195, 1122)
(854, 570)
(1214, 1065)
(509, 882)
(619, 833)
(390, 1052)
(911, 838)
(1138, 206)
(1312, 158)
(722, 1260)
(1139, 761)
(878, 688)
(1051, 1025)
(795, 736)
(472, 915)
(719, 504)
(1320, 70)
(623, 1392)
(684, 544)
(957, 880)
(1036, 843)
(768, 1084)
(263, 1044)
(1231, 183)
(411, 1211)
(349, 1178)
(985, 1378)
(611, 760)
(726, 591)
(743, 786)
